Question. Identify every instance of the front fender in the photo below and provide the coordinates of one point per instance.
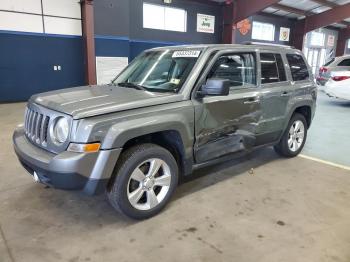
(122, 132)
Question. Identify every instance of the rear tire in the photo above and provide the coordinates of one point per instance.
(145, 179)
(294, 137)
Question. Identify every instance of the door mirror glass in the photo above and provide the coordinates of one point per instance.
(215, 87)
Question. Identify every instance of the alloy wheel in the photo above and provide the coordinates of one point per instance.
(148, 184)
(296, 135)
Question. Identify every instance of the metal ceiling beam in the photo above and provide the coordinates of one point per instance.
(334, 15)
(345, 23)
(325, 3)
(305, 13)
(290, 9)
(243, 8)
(87, 17)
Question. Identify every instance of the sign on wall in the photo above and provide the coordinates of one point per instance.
(244, 26)
(330, 40)
(107, 68)
(205, 23)
(284, 34)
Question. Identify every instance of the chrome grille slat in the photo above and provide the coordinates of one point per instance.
(45, 128)
(41, 135)
(35, 118)
(36, 126)
(31, 121)
(26, 119)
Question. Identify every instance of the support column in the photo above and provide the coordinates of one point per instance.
(298, 34)
(344, 35)
(227, 33)
(87, 16)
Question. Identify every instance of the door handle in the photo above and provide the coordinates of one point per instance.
(285, 94)
(252, 100)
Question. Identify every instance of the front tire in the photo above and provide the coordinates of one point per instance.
(145, 179)
(294, 137)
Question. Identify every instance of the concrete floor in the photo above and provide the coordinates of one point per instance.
(282, 210)
(329, 132)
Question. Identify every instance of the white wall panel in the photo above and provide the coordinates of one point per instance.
(107, 68)
(27, 6)
(62, 26)
(66, 8)
(20, 22)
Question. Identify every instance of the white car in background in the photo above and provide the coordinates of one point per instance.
(338, 85)
(340, 63)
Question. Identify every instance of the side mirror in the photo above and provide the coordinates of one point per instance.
(215, 87)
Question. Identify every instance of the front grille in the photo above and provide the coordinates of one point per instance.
(36, 126)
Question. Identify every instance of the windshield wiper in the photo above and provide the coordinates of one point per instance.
(132, 85)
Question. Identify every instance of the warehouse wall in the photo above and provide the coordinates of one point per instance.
(277, 21)
(119, 27)
(40, 47)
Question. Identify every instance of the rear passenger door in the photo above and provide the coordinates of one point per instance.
(276, 91)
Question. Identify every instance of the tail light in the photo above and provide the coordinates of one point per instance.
(323, 69)
(340, 78)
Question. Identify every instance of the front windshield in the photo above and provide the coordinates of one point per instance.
(160, 71)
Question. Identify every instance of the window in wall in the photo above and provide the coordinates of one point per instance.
(263, 31)
(272, 68)
(348, 44)
(317, 39)
(298, 67)
(345, 62)
(164, 18)
(238, 68)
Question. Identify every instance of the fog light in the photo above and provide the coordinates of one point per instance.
(84, 148)
(36, 177)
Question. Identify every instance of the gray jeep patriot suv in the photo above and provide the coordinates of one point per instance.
(172, 110)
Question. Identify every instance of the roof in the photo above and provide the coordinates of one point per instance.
(226, 46)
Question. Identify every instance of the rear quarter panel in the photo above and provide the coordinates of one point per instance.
(304, 94)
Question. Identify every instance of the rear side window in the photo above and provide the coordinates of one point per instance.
(329, 62)
(298, 67)
(272, 68)
(239, 68)
(345, 62)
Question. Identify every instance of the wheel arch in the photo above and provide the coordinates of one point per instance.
(170, 140)
(302, 108)
(306, 112)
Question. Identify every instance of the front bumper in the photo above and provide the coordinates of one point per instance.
(88, 172)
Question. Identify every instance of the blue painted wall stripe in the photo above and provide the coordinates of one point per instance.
(27, 60)
(27, 64)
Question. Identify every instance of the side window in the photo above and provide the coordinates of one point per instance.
(239, 68)
(272, 68)
(345, 62)
(298, 67)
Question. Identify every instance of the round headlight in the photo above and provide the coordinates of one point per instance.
(61, 130)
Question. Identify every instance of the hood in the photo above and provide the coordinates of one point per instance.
(86, 101)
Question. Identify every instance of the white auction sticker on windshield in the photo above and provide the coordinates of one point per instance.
(186, 53)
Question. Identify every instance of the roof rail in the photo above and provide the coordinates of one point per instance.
(267, 44)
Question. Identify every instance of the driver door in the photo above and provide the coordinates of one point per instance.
(227, 124)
